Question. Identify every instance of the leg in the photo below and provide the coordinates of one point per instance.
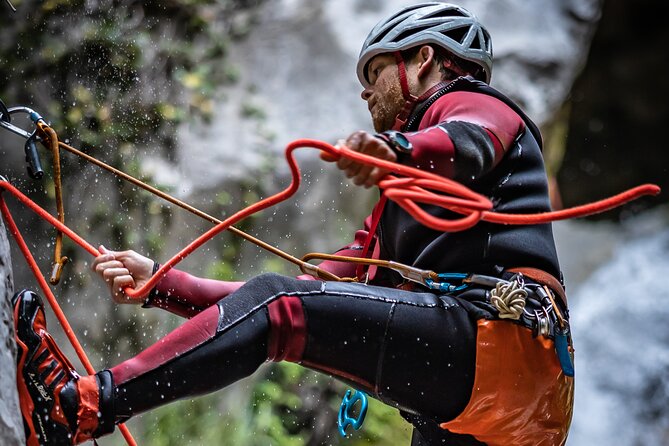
(412, 350)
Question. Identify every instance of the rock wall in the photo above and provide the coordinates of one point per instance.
(11, 427)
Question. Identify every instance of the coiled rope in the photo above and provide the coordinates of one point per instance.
(509, 298)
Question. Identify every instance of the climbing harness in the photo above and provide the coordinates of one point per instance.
(411, 188)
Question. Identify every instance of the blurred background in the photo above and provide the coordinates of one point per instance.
(199, 97)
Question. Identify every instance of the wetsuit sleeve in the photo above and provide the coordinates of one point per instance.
(463, 135)
(186, 295)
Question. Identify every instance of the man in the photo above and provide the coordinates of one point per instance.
(464, 363)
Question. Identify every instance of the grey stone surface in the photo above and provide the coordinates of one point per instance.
(298, 67)
(11, 428)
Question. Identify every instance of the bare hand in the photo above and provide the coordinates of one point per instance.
(362, 174)
(122, 269)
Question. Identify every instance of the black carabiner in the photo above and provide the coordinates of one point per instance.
(32, 158)
(10, 5)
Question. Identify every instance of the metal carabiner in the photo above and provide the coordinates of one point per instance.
(444, 285)
(32, 155)
(345, 417)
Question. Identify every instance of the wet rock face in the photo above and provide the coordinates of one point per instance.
(620, 336)
(298, 70)
(619, 107)
(11, 428)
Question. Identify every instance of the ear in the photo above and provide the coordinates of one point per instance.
(425, 58)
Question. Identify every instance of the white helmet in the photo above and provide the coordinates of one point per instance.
(442, 24)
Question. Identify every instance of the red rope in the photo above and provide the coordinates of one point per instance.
(62, 319)
(407, 191)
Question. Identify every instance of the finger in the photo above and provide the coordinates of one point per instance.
(329, 157)
(343, 163)
(353, 170)
(103, 250)
(127, 255)
(118, 285)
(375, 177)
(363, 175)
(100, 260)
(351, 143)
(110, 274)
(103, 266)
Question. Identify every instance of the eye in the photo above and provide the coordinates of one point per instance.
(374, 72)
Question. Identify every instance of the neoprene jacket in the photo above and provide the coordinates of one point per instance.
(470, 132)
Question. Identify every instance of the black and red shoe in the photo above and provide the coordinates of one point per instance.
(42, 372)
(58, 406)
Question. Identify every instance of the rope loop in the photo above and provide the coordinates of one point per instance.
(509, 298)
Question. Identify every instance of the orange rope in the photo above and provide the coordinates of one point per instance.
(407, 192)
(62, 319)
(59, 260)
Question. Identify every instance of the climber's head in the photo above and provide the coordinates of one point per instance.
(424, 44)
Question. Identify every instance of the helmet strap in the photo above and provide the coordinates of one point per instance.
(409, 99)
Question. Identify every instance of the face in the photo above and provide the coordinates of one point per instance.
(384, 95)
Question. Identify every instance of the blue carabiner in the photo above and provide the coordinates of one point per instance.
(447, 287)
(345, 419)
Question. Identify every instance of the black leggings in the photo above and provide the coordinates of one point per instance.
(412, 350)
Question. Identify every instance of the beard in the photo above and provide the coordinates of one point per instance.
(389, 104)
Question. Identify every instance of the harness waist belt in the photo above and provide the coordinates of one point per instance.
(543, 278)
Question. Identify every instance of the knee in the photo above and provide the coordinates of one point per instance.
(288, 330)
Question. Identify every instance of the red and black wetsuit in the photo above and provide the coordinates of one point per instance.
(415, 350)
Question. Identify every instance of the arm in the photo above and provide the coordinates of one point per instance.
(177, 292)
(186, 295)
(463, 136)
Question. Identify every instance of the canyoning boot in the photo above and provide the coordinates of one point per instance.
(58, 406)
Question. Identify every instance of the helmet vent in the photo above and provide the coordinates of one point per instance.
(476, 43)
(381, 36)
(457, 34)
(411, 32)
(445, 13)
(405, 12)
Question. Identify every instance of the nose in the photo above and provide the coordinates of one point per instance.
(366, 94)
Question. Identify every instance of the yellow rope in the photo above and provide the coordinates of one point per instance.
(59, 260)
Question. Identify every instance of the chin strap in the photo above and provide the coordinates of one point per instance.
(410, 100)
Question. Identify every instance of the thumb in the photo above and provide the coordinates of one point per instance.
(325, 156)
(104, 250)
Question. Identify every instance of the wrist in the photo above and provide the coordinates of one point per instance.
(397, 142)
(148, 302)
